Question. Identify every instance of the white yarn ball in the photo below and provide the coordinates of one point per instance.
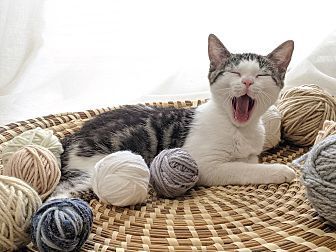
(121, 179)
(272, 123)
(38, 136)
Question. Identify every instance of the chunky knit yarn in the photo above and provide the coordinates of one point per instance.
(319, 177)
(61, 225)
(121, 179)
(38, 136)
(173, 172)
(37, 166)
(18, 203)
(304, 109)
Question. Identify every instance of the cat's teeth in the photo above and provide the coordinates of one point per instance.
(234, 103)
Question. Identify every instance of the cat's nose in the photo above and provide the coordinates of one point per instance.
(247, 82)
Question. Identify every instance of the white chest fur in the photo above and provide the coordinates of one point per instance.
(213, 138)
(226, 154)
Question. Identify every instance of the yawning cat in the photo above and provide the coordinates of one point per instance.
(224, 135)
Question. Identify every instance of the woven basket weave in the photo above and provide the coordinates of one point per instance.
(231, 218)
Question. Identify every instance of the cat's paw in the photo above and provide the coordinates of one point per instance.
(280, 173)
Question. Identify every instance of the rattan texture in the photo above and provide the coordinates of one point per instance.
(231, 218)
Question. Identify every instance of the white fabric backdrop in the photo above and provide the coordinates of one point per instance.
(100, 53)
(318, 68)
(20, 36)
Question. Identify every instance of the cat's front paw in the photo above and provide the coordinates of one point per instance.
(280, 173)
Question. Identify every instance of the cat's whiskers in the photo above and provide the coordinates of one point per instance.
(259, 101)
(266, 96)
(228, 99)
(228, 95)
(262, 97)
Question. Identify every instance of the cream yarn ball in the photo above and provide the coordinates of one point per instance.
(272, 123)
(38, 136)
(304, 109)
(121, 179)
(18, 203)
(37, 166)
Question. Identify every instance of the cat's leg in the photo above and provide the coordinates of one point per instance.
(73, 183)
(76, 177)
(240, 173)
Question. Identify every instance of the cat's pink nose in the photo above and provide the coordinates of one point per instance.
(248, 82)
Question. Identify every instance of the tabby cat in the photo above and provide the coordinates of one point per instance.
(224, 135)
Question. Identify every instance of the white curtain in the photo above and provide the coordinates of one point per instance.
(20, 37)
(98, 53)
(318, 68)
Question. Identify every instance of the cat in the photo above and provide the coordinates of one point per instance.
(224, 136)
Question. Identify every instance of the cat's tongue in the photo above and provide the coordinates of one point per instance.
(241, 108)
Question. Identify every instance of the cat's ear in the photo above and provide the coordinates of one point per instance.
(282, 55)
(217, 52)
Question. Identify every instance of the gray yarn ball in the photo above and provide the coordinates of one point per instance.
(173, 172)
(319, 177)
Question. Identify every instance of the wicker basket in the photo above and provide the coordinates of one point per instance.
(231, 218)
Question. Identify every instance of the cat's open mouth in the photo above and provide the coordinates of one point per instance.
(242, 108)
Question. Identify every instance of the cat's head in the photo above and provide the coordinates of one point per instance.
(246, 85)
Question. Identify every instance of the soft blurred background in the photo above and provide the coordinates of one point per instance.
(72, 55)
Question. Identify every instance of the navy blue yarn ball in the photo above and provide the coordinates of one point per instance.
(61, 225)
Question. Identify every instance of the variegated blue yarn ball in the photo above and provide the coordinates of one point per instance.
(61, 225)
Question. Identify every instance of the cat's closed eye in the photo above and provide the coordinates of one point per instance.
(236, 73)
(263, 75)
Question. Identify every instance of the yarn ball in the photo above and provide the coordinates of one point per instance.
(272, 122)
(329, 128)
(121, 179)
(61, 225)
(304, 109)
(319, 177)
(173, 172)
(38, 136)
(37, 166)
(18, 203)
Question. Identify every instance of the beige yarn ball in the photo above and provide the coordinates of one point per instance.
(38, 136)
(37, 166)
(304, 109)
(272, 123)
(18, 203)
